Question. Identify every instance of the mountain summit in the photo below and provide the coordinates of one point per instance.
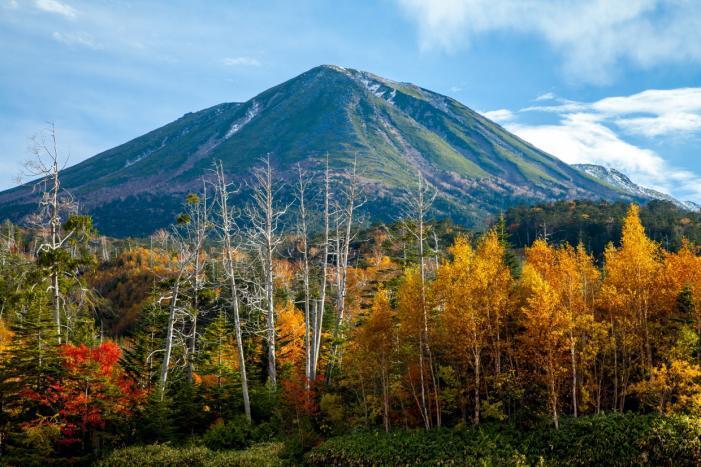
(393, 129)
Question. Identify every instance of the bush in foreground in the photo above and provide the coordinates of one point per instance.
(596, 440)
(161, 454)
(237, 434)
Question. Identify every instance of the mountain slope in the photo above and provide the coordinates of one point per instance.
(393, 129)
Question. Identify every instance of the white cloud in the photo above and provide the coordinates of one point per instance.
(240, 61)
(649, 113)
(59, 8)
(500, 116)
(10, 4)
(592, 36)
(77, 38)
(579, 138)
(548, 96)
(592, 133)
(653, 101)
(661, 125)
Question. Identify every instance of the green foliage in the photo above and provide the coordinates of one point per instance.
(596, 440)
(403, 447)
(156, 421)
(596, 224)
(136, 456)
(183, 219)
(190, 413)
(236, 434)
(299, 442)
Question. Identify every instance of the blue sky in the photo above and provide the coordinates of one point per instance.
(610, 82)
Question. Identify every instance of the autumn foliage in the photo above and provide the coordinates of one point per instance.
(470, 331)
(91, 394)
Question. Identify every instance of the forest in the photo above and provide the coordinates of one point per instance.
(289, 330)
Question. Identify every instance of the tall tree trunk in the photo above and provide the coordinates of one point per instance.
(385, 394)
(574, 374)
(478, 363)
(321, 305)
(239, 336)
(169, 333)
(230, 270)
(55, 244)
(343, 240)
(301, 189)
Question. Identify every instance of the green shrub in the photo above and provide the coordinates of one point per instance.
(297, 445)
(237, 434)
(439, 446)
(162, 455)
(597, 440)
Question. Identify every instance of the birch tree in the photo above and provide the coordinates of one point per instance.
(302, 231)
(265, 218)
(226, 228)
(416, 206)
(319, 306)
(189, 243)
(199, 226)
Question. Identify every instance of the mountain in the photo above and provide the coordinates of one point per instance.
(621, 182)
(393, 129)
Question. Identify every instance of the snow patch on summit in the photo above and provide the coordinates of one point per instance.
(379, 89)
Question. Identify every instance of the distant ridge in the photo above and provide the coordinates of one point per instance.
(621, 182)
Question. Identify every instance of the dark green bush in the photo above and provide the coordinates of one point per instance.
(440, 446)
(297, 445)
(597, 440)
(237, 434)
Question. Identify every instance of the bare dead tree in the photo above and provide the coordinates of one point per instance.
(104, 249)
(7, 239)
(265, 219)
(319, 306)
(226, 228)
(189, 242)
(416, 208)
(345, 218)
(46, 164)
(303, 181)
(199, 227)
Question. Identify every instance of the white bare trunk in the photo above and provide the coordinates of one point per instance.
(225, 228)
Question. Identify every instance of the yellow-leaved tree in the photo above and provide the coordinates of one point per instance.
(413, 322)
(370, 354)
(290, 330)
(546, 328)
(574, 279)
(630, 295)
(473, 293)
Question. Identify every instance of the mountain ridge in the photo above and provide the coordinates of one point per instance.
(394, 130)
